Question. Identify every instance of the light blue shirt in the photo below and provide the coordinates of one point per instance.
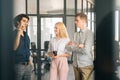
(82, 56)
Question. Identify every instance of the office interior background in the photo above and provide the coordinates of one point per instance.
(45, 13)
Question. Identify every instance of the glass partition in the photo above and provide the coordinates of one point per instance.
(47, 28)
(70, 26)
(32, 29)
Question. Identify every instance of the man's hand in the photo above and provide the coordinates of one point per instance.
(20, 32)
(30, 60)
(80, 45)
(71, 43)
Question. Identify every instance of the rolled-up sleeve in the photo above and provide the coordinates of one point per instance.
(87, 44)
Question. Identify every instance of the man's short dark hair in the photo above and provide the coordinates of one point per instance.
(18, 18)
(82, 15)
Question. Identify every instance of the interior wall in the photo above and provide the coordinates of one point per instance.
(18, 7)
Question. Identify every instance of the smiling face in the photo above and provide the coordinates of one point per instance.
(60, 30)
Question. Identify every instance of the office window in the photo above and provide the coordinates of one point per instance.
(47, 28)
(84, 6)
(79, 6)
(117, 25)
(70, 7)
(51, 6)
(70, 25)
(32, 29)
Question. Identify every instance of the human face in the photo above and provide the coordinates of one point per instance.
(23, 23)
(80, 23)
(56, 30)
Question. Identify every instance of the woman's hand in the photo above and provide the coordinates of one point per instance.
(51, 54)
(62, 55)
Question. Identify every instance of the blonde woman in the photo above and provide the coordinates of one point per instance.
(59, 65)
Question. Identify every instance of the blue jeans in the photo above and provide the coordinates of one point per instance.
(23, 72)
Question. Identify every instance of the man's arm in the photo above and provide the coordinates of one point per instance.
(87, 46)
(81, 48)
(17, 39)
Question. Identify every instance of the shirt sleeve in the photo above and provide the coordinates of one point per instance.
(70, 48)
(87, 45)
(66, 50)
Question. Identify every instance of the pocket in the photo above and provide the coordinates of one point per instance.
(31, 66)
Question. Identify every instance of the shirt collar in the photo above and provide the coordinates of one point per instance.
(83, 30)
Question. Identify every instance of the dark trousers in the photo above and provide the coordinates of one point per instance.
(23, 71)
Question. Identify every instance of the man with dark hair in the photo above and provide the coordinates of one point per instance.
(81, 47)
(23, 60)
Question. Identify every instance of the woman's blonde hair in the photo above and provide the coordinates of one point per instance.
(62, 30)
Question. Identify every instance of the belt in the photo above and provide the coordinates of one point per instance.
(24, 63)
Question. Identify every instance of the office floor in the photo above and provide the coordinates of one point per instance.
(46, 75)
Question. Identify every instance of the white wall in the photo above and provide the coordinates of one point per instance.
(18, 7)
